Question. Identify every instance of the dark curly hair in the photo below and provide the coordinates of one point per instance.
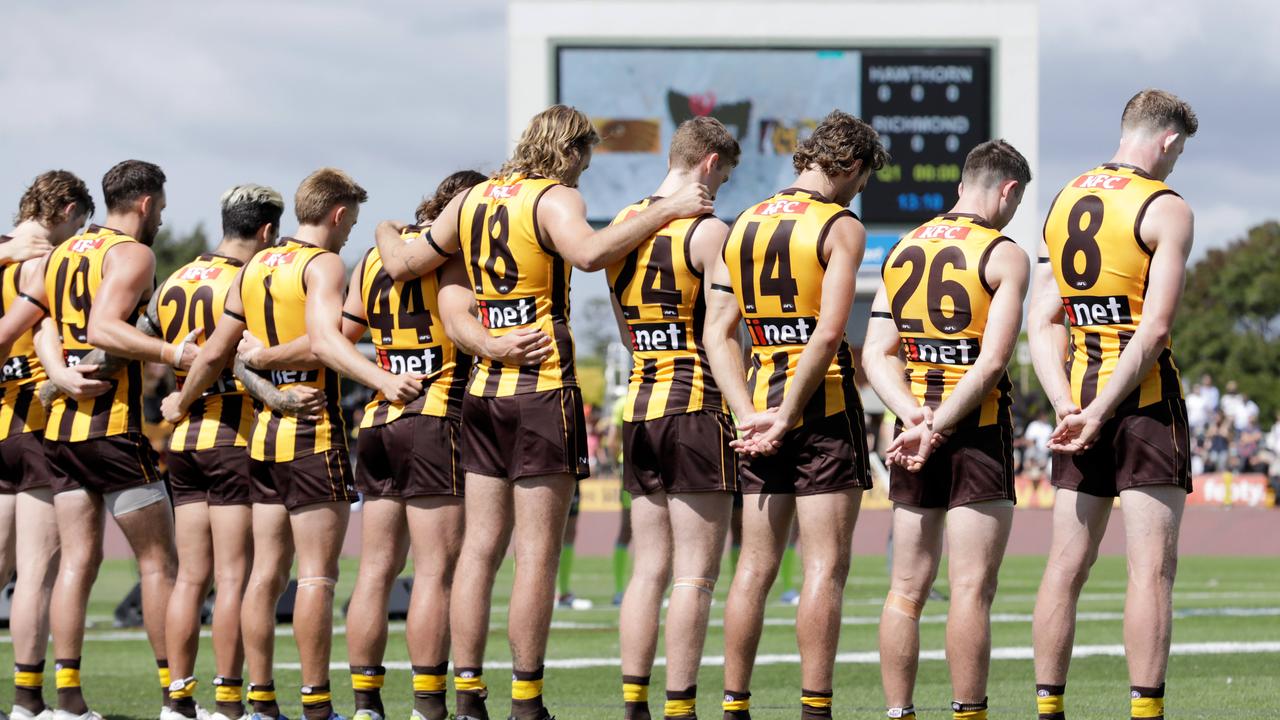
(840, 140)
(49, 193)
(432, 205)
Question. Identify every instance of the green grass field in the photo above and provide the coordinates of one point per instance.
(1220, 600)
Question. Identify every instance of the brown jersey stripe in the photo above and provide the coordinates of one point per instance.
(304, 438)
(777, 379)
(1170, 385)
(229, 419)
(625, 275)
(712, 398)
(134, 423)
(195, 421)
(648, 378)
(269, 437)
(100, 417)
(458, 389)
(492, 379)
(560, 320)
(681, 392)
(934, 383)
(22, 407)
(381, 412)
(1093, 350)
(527, 379)
(337, 425)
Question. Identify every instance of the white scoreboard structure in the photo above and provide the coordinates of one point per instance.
(934, 78)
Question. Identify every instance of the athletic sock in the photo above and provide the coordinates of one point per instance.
(635, 694)
(428, 690)
(67, 679)
(470, 693)
(162, 671)
(366, 684)
(228, 695)
(969, 711)
(788, 570)
(1146, 703)
(736, 705)
(526, 694)
(1050, 702)
(565, 573)
(317, 702)
(28, 686)
(620, 558)
(681, 703)
(815, 704)
(262, 698)
(907, 712)
(182, 696)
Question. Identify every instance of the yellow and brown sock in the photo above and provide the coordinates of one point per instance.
(262, 698)
(317, 702)
(228, 695)
(635, 697)
(969, 711)
(1146, 703)
(815, 704)
(67, 678)
(526, 694)
(182, 696)
(736, 705)
(28, 686)
(470, 693)
(366, 684)
(906, 712)
(429, 684)
(1050, 702)
(681, 704)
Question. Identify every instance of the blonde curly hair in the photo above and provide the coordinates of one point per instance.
(553, 145)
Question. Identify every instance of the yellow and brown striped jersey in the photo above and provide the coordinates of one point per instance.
(774, 256)
(939, 299)
(273, 292)
(519, 282)
(408, 337)
(660, 295)
(72, 278)
(1101, 266)
(22, 373)
(192, 297)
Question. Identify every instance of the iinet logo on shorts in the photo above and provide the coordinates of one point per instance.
(781, 207)
(1083, 310)
(942, 352)
(942, 232)
(278, 259)
(422, 361)
(508, 313)
(780, 331)
(1101, 182)
(651, 337)
(502, 192)
(200, 274)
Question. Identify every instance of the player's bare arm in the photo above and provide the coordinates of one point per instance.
(127, 273)
(104, 365)
(524, 346)
(23, 248)
(884, 366)
(1049, 337)
(76, 382)
(720, 337)
(293, 355)
(24, 315)
(562, 216)
(326, 277)
(407, 260)
(1168, 229)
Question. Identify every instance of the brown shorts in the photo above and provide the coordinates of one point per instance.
(521, 436)
(23, 464)
(317, 478)
(217, 476)
(820, 456)
(1145, 446)
(686, 453)
(102, 465)
(412, 456)
(975, 465)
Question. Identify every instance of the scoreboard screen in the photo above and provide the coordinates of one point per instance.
(929, 106)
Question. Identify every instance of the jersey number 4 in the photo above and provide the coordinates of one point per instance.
(776, 279)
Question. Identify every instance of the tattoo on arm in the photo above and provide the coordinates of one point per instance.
(109, 365)
(258, 387)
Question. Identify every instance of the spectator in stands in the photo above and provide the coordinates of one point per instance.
(1208, 392)
(1218, 442)
(1198, 410)
(1035, 453)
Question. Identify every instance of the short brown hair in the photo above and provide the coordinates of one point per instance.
(432, 205)
(321, 191)
(49, 193)
(552, 145)
(697, 138)
(995, 161)
(130, 180)
(838, 141)
(1160, 110)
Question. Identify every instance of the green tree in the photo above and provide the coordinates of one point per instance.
(1228, 324)
(174, 250)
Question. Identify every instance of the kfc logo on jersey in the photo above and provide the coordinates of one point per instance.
(942, 232)
(657, 337)
(501, 192)
(422, 361)
(508, 313)
(780, 331)
(196, 273)
(781, 207)
(86, 244)
(1101, 182)
(941, 352)
(1083, 310)
(278, 259)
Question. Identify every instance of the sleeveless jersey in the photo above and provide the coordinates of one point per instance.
(1101, 266)
(275, 301)
(934, 278)
(192, 297)
(72, 278)
(774, 256)
(21, 373)
(408, 336)
(519, 282)
(660, 294)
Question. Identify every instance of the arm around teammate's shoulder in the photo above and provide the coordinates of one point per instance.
(562, 217)
(128, 272)
(407, 260)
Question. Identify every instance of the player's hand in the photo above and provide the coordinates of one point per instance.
(1076, 433)
(25, 248)
(911, 449)
(187, 349)
(526, 346)
(249, 349)
(761, 433)
(691, 200)
(171, 408)
(1064, 408)
(393, 225)
(303, 401)
(77, 382)
(402, 388)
